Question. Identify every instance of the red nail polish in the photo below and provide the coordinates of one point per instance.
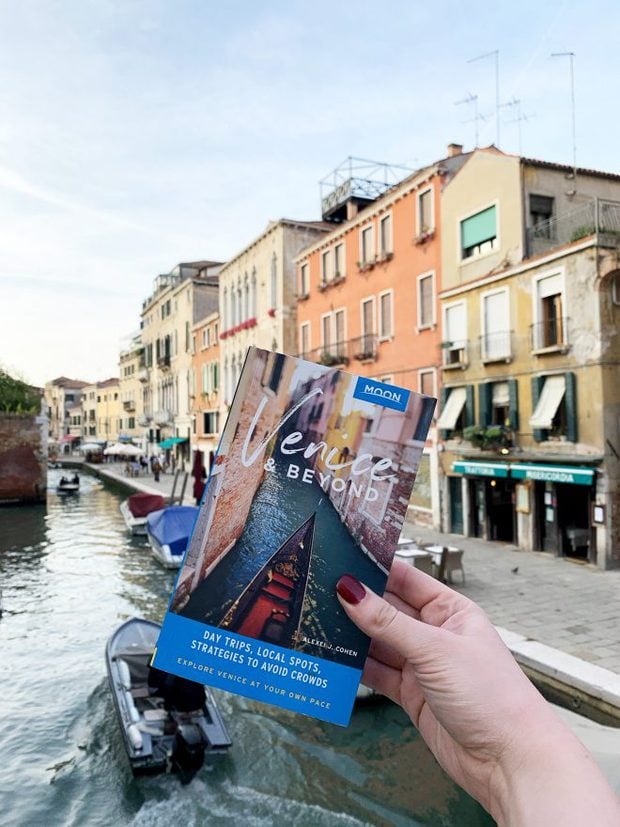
(350, 589)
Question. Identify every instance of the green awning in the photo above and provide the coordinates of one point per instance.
(481, 469)
(478, 228)
(553, 473)
(172, 441)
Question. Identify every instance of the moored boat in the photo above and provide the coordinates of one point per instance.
(270, 607)
(169, 531)
(167, 722)
(135, 510)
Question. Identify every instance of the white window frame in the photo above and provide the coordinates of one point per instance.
(331, 316)
(326, 256)
(418, 211)
(445, 337)
(383, 337)
(371, 229)
(486, 294)
(387, 216)
(498, 241)
(433, 372)
(304, 279)
(432, 324)
(305, 326)
(536, 299)
(363, 301)
(341, 273)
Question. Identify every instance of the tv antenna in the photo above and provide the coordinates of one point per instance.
(472, 99)
(520, 117)
(571, 57)
(495, 54)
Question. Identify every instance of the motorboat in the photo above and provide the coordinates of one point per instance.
(168, 723)
(68, 485)
(135, 510)
(169, 531)
(270, 607)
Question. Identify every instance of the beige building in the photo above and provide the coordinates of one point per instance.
(63, 399)
(131, 365)
(205, 390)
(179, 299)
(109, 410)
(531, 363)
(258, 297)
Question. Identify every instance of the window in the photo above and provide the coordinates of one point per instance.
(366, 245)
(495, 323)
(479, 233)
(304, 286)
(205, 378)
(426, 301)
(215, 376)
(453, 412)
(555, 411)
(425, 212)
(426, 382)
(339, 331)
(216, 330)
(333, 336)
(326, 331)
(211, 422)
(325, 267)
(131, 423)
(274, 281)
(541, 211)
(304, 339)
(375, 509)
(455, 334)
(500, 404)
(225, 310)
(246, 298)
(339, 261)
(385, 235)
(368, 345)
(386, 322)
(549, 329)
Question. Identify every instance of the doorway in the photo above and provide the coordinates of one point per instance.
(456, 504)
(501, 510)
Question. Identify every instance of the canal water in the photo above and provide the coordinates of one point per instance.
(69, 575)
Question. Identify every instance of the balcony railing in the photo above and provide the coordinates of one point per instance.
(129, 405)
(550, 334)
(162, 417)
(363, 348)
(598, 216)
(163, 361)
(496, 347)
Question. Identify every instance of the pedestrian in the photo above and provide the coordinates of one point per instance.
(156, 469)
(436, 654)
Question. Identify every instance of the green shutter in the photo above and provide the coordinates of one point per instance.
(537, 385)
(570, 400)
(470, 411)
(478, 228)
(513, 404)
(443, 398)
(484, 404)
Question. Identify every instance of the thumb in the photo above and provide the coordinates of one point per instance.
(383, 622)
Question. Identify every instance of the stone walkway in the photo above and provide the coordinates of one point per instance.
(146, 482)
(570, 606)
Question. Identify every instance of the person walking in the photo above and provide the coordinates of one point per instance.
(156, 468)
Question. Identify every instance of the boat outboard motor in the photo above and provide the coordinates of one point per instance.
(188, 751)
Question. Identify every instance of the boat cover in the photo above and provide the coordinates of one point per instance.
(142, 504)
(172, 526)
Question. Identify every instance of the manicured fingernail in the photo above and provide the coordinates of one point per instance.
(350, 589)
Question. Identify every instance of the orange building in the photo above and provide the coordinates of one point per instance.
(367, 291)
(205, 387)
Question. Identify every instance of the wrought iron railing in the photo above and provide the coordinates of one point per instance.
(550, 333)
(362, 348)
(598, 216)
(496, 346)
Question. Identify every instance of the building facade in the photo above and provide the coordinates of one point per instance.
(131, 364)
(205, 387)
(109, 410)
(530, 361)
(63, 398)
(258, 304)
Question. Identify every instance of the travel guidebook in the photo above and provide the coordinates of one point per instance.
(312, 480)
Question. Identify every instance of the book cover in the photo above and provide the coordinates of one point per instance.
(312, 480)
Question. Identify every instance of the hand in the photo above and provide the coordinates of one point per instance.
(436, 654)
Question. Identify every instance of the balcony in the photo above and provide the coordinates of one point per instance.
(143, 375)
(340, 354)
(550, 336)
(455, 354)
(162, 417)
(163, 362)
(144, 420)
(598, 217)
(496, 347)
(129, 405)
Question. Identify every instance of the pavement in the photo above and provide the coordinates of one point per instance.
(115, 472)
(560, 618)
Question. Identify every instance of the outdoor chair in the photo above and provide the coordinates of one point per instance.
(451, 560)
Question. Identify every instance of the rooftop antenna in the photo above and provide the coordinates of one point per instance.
(571, 57)
(477, 117)
(495, 54)
(520, 117)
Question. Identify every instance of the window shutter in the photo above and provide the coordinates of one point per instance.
(570, 399)
(537, 384)
(470, 418)
(484, 404)
(478, 228)
(443, 398)
(513, 404)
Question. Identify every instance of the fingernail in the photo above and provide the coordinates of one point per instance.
(350, 589)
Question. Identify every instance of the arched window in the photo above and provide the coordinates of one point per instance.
(246, 298)
(226, 395)
(253, 294)
(225, 309)
(233, 318)
(233, 377)
(274, 281)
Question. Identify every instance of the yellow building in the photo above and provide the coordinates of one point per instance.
(529, 315)
(63, 398)
(109, 410)
(131, 364)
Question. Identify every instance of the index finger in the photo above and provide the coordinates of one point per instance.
(432, 599)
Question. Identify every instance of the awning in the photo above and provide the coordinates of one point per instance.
(68, 438)
(172, 441)
(452, 409)
(481, 469)
(553, 473)
(548, 402)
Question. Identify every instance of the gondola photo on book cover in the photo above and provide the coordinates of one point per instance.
(312, 479)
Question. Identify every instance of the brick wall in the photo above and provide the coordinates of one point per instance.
(23, 458)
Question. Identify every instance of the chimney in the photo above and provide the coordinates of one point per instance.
(352, 210)
(455, 149)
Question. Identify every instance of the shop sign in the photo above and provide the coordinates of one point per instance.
(553, 473)
(481, 469)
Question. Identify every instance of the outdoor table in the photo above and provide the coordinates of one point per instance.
(416, 557)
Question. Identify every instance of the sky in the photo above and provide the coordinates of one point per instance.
(135, 134)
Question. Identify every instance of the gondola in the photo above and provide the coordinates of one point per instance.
(270, 607)
(169, 531)
(68, 486)
(135, 510)
(168, 723)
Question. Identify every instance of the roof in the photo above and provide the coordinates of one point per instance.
(595, 173)
(107, 383)
(63, 382)
(271, 225)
